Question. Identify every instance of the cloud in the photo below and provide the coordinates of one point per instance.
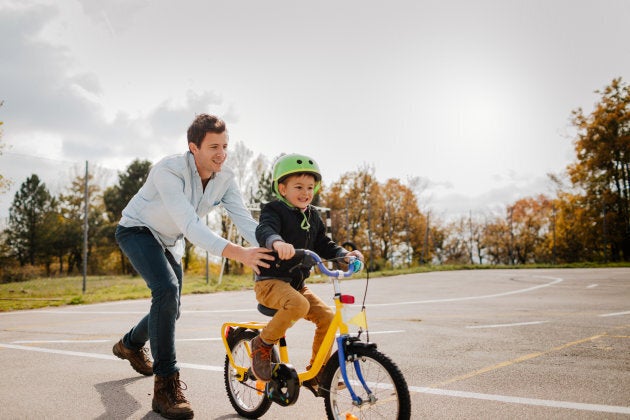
(44, 95)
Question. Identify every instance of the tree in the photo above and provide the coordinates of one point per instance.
(355, 202)
(530, 223)
(602, 170)
(72, 209)
(27, 214)
(116, 197)
(4, 182)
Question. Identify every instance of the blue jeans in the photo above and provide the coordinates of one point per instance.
(164, 276)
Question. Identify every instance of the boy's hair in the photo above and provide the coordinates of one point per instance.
(203, 124)
(286, 177)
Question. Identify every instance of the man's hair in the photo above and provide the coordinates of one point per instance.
(203, 124)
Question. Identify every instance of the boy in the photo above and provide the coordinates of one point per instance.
(285, 224)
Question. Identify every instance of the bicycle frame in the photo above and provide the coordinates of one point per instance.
(338, 324)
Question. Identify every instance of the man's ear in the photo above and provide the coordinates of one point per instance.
(192, 147)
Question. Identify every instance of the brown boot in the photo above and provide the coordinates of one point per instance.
(139, 359)
(168, 398)
(261, 359)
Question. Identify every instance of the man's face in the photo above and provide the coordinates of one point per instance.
(211, 154)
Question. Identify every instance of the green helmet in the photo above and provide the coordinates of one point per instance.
(292, 164)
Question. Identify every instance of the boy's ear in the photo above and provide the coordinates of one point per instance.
(282, 189)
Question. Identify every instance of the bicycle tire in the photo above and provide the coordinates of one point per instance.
(383, 377)
(248, 401)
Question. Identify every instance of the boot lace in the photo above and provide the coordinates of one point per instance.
(143, 353)
(175, 389)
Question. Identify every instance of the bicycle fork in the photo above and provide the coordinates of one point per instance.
(345, 344)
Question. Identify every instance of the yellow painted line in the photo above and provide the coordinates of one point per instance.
(515, 361)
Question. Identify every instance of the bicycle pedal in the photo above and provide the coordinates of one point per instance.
(314, 388)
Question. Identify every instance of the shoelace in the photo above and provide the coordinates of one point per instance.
(265, 352)
(176, 387)
(144, 353)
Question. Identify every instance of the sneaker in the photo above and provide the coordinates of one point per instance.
(139, 359)
(261, 359)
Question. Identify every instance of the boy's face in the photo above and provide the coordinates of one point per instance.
(298, 190)
(211, 154)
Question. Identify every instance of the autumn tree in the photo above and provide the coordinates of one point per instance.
(355, 201)
(496, 240)
(602, 170)
(530, 220)
(72, 209)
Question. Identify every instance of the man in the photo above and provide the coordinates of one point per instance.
(179, 191)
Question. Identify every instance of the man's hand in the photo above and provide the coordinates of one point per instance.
(251, 257)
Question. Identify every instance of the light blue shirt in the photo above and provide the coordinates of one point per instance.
(172, 204)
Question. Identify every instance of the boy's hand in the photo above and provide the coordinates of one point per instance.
(285, 251)
(355, 253)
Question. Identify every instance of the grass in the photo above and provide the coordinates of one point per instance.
(45, 292)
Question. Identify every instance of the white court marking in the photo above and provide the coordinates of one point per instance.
(555, 280)
(422, 390)
(615, 314)
(515, 324)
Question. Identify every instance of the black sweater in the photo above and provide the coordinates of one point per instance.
(279, 221)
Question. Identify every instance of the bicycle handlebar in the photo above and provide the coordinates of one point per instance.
(311, 258)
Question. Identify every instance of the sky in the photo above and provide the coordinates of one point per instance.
(474, 98)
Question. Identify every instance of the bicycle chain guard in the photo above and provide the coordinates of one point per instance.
(284, 387)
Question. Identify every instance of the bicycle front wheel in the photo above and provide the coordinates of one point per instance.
(246, 395)
(383, 392)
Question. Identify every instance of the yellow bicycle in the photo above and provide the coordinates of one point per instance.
(358, 382)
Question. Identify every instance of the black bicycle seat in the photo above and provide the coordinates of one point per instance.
(265, 310)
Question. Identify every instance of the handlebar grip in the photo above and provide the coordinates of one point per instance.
(357, 265)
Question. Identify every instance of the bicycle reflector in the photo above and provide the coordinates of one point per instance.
(347, 299)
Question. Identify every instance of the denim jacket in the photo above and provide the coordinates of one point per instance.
(173, 204)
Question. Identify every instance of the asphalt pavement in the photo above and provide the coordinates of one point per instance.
(478, 344)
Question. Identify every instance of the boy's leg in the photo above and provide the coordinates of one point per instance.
(321, 315)
(290, 305)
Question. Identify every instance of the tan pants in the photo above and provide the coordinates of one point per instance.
(292, 305)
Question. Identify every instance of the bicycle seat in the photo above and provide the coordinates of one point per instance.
(266, 310)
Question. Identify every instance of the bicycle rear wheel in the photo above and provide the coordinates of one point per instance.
(246, 396)
(389, 398)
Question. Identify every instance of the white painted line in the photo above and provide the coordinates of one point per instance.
(516, 324)
(201, 367)
(526, 401)
(555, 280)
(63, 352)
(590, 286)
(615, 314)
(58, 341)
(199, 339)
(435, 391)
(386, 332)
(88, 312)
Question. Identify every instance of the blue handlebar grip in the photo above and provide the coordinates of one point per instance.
(357, 266)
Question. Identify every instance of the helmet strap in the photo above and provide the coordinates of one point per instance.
(305, 225)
